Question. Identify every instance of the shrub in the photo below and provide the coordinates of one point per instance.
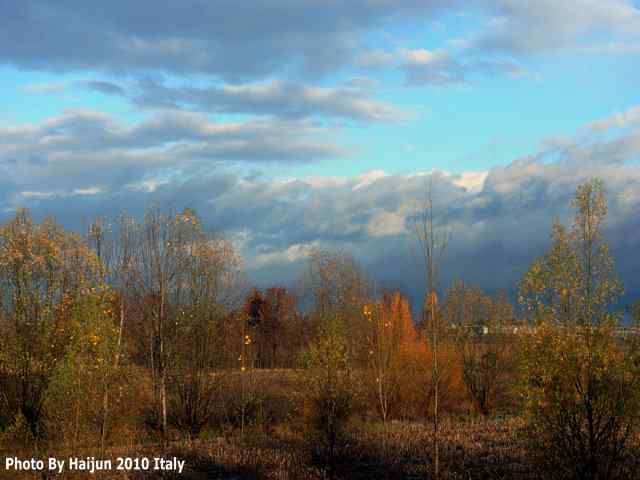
(328, 390)
(582, 398)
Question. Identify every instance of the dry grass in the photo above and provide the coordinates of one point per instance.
(471, 448)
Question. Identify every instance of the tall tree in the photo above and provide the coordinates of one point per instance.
(575, 283)
(432, 240)
(338, 287)
(208, 281)
(582, 383)
(161, 254)
(389, 332)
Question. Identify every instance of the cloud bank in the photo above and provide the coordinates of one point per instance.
(499, 220)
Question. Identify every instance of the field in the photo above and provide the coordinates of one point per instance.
(472, 448)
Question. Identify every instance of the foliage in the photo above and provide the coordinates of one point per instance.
(74, 397)
(391, 336)
(44, 273)
(582, 398)
(329, 390)
(575, 283)
(580, 382)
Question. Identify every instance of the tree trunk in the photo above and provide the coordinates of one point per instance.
(105, 399)
(436, 381)
(163, 370)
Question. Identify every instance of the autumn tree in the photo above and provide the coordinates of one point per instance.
(273, 321)
(581, 383)
(482, 326)
(328, 389)
(159, 256)
(390, 331)
(337, 286)
(74, 400)
(208, 282)
(339, 290)
(113, 244)
(335, 281)
(635, 312)
(44, 273)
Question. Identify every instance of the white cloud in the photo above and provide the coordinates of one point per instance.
(88, 191)
(36, 195)
(369, 178)
(422, 57)
(519, 27)
(627, 118)
(471, 181)
(291, 254)
(92, 148)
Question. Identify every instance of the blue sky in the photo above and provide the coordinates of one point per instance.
(322, 116)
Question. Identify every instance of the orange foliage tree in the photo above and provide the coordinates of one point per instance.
(391, 336)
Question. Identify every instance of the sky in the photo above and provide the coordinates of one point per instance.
(293, 124)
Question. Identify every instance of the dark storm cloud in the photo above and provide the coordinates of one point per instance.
(499, 220)
(496, 227)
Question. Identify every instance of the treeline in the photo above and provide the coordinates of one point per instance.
(144, 330)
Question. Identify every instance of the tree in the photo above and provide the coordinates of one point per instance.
(44, 272)
(74, 400)
(338, 287)
(273, 323)
(635, 312)
(480, 324)
(208, 283)
(114, 250)
(161, 255)
(282, 333)
(389, 332)
(335, 282)
(581, 384)
(328, 387)
(432, 240)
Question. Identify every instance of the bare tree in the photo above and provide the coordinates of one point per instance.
(481, 324)
(208, 282)
(432, 240)
(160, 255)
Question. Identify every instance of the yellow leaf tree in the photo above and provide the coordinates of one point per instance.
(581, 382)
